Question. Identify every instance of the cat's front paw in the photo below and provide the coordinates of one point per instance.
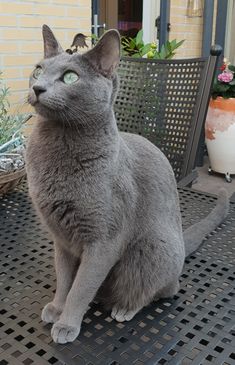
(63, 333)
(50, 314)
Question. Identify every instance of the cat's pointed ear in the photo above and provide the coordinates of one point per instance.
(105, 56)
(51, 45)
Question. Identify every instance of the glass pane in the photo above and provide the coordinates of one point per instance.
(130, 17)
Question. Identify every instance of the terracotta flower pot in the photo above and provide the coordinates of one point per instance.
(220, 135)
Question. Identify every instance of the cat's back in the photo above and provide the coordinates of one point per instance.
(148, 158)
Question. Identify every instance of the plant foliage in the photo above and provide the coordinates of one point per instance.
(9, 124)
(136, 48)
(224, 83)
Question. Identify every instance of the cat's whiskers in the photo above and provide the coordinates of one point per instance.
(85, 116)
(83, 120)
(63, 114)
(71, 121)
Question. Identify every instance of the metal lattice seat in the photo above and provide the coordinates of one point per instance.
(166, 101)
(195, 327)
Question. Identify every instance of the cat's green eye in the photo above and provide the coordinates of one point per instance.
(70, 77)
(37, 72)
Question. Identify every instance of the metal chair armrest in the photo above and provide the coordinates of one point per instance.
(188, 180)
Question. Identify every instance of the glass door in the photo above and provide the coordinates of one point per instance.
(130, 15)
(124, 15)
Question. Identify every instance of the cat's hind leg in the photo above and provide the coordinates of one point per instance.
(149, 267)
(122, 315)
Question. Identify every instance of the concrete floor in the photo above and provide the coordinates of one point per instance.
(212, 183)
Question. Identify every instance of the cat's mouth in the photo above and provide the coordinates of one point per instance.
(32, 98)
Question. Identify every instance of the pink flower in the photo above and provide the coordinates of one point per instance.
(226, 76)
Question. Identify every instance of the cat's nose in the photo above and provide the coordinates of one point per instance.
(38, 89)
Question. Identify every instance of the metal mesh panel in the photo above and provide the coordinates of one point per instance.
(195, 327)
(159, 100)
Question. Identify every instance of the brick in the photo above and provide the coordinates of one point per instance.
(16, 8)
(17, 85)
(72, 2)
(31, 47)
(34, 21)
(8, 47)
(19, 34)
(27, 71)
(11, 72)
(177, 19)
(19, 60)
(61, 35)
(66, 23)
(177, 3)
(37, 1)
(8, 21)
(79, 12)
(50, 10)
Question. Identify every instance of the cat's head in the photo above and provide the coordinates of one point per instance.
(64, 86)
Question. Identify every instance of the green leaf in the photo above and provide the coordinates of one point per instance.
(139, 37)
(231, 68)
(173, 43)
(132, 43)
(219, 87)
(157, 55)
(168, 47)
(163, 52)
(178, 44)
(232, 82)
(145, 49)
(136, 55)
(170, 56)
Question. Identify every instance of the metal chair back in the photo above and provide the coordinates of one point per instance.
(166, 101)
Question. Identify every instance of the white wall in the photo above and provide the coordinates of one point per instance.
(229, 49)
(151, 10)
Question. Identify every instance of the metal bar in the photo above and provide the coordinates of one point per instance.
(164, 21)
(221, 17)
(207, 27)
(95, 27)
(209, 74)
(188, 180)
(95, 6)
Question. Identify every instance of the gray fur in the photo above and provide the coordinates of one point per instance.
(109, 199)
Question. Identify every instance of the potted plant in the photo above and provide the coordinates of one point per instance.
(220, 123)
(136, 48)
(12, 147)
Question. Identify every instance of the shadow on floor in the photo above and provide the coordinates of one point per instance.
(212, 183)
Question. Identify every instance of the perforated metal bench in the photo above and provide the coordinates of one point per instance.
(195, 327)
(166, 101)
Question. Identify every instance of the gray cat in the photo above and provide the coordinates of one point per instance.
(109, 199)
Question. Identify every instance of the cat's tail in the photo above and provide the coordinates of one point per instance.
(194, 235)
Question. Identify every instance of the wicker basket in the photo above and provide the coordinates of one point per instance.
(10, 180)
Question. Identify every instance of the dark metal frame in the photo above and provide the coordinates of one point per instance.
(164, 22)
(221, 18)
(207, 27)
(199, 135)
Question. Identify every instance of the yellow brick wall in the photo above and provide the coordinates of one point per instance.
(21, 40)
(184, 27)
